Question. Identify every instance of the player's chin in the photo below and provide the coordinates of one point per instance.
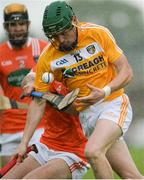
(65, 47)
(19, 38)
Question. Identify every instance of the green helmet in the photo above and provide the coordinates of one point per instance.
(57, 18)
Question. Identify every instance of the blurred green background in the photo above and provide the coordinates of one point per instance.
(125, 19)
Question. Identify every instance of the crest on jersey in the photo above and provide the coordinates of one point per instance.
(91, 49)
(15, 78)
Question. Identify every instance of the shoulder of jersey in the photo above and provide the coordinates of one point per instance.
(99, 29)
(92, 26)
(45, 49)
(3, 44)
(43, 41)
(3, 47)
(40, 40)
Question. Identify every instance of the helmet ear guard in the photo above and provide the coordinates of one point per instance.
(57, 18)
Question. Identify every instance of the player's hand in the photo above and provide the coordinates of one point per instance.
(20, 153)
(95, 95)
(28, 84)
(27, 89)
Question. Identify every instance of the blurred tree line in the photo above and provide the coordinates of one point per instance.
(125, 21)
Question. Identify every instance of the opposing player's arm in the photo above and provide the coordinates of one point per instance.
(57, 100)
(34, 116)
(60, 102)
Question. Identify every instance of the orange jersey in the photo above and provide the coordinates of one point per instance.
(14, 65)
(63, 132)
(91, 61)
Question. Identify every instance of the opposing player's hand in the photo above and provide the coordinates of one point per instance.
(27, 89)
(95, 95)
(20, 153)
(28, 84)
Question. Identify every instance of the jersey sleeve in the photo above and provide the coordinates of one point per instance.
(109, 45)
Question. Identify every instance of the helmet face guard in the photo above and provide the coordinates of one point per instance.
(16, 13)
(62, 47)
(57, 18)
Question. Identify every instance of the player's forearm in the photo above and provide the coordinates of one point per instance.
(124, 73)
(34, 116)
(123, 78)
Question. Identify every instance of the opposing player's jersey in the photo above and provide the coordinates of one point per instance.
(91, 61)
(14, 65)
(62, 131)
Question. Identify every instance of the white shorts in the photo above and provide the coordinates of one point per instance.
(118, 110)
(9, 142)
(76, 165)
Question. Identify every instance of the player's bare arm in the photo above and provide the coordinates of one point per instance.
(124, 74)
(34, 115)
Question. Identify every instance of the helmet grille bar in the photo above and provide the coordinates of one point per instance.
(58, 11)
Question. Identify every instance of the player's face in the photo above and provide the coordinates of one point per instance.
(66, 40)
(17, 30)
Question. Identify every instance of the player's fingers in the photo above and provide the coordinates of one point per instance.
(91, 86)
(24, 81)
(19, 158)
(25, 86)
(27, 90)
(85, 99)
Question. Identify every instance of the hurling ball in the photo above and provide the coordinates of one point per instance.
(47, 77)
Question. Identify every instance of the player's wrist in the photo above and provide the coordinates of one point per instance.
(24, 142)
(107, 91)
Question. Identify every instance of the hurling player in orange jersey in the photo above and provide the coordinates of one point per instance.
(17, 56)
(61, 147)
(100, 69)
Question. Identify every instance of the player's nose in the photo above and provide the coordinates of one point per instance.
(61, 38)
